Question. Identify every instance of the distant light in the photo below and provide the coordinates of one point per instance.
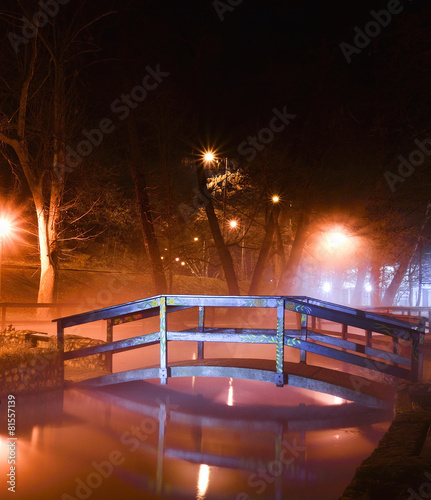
(275, 199)
(195, 238)
(209, 156)
(368, 288)
(183, 263)
(326, 287)
(336, 239)
(4, 227)
(233, 223)
(162, 257)
(177, 259)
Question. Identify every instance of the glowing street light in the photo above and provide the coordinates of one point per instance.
(326, 287)
(275, 199)
(335, 239)
(368, 288)
(233, 223)
(209, 156)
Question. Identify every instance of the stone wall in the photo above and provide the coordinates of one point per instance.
(74, 342)
(28, 369)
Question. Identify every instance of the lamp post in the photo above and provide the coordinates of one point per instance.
(4, 230)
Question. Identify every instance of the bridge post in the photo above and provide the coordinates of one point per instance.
(302, 353)
(163, 371)
(201, 329)
(109, 338)
(60, 343)
(279, 376)
(416, 365)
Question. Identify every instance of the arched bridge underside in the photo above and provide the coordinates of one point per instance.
(370, 342)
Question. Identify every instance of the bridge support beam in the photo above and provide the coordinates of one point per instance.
(304, 325)
(416, 357)
(163, 343)
(279, 376)
(201, 329)
(109, 338)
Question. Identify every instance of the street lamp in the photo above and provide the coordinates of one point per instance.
(4, 230)
(209, 156)
(275, 199)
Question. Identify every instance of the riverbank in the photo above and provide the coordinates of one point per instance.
(400, 466)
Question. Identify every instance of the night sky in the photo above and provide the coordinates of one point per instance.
(229, 67)
(351, 80)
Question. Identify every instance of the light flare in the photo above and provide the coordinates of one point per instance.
(209, 156)
(5, 227)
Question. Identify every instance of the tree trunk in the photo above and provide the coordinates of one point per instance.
(150, 238)
(359, 285)
(392, 289)
(264, 251)
(222, 249)
(286, 283)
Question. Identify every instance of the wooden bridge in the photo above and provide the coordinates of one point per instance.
(358, 342)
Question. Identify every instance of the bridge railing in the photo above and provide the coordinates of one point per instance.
(405, 313)
(361, 338)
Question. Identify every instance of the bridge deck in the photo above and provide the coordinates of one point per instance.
(343, 385)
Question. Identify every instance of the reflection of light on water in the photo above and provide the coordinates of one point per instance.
(230, 394)
(193, 382)
(338, 401)
(328, 399)
(35, 436)
(203, 481)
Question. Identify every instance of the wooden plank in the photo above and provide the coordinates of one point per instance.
(303, 353)
(360, 348)
(201, 329)
(111, 312)
(279, 380)
(163, 343)
(109, 338)
(348, 357)
(357, 318)
(116, 346)
(349, 316)
(224, 336)
(315, 378)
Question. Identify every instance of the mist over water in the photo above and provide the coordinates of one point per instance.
(208, 438)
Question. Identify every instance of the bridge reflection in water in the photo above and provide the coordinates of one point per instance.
(194, 441)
